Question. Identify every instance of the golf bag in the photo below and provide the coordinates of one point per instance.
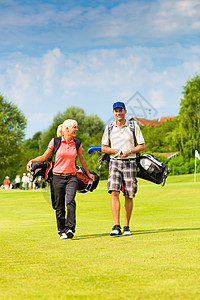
(42, 169)
(84, 183)
(150, 168)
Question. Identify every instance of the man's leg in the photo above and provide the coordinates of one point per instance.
(128, 207)
(114, 184)
(115, 206)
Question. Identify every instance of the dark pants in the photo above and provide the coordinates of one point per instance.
(65, 186)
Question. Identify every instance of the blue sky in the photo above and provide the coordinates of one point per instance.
(55, 54)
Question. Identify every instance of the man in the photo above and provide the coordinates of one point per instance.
(119, 143)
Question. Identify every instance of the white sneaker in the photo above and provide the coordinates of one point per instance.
(63, 236)
(70, 234)
(127, 230)
(116, 230)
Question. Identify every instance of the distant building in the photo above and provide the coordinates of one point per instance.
(169, 155)
(143, 122)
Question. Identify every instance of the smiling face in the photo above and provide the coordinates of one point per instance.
(119, 114)
(71, 131)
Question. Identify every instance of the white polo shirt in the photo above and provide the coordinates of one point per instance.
(122, 138)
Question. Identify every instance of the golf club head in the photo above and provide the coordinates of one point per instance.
(93, 148)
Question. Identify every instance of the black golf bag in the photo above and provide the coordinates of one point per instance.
(149, 167)
(42, 169)
(84, 183)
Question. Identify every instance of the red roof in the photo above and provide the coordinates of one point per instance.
(152, 122)
(148, 122)
(164, 119)
(169, 155)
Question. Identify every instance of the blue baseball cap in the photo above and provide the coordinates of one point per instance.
(119, 104)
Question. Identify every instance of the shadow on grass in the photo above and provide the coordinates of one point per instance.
(153, 231)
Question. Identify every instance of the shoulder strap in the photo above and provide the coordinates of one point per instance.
(77, 143)
(57, 142)
(131, 125)
(110, 127)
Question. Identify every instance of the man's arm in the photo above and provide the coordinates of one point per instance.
(136, 149)
(108, 150)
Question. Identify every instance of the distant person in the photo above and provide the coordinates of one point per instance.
(29, 176)
(24, 181)
(6, 183)
(64, 182)
(119, 142)
(43, 185)
(12, 185)
(17, 182)
(36, 184)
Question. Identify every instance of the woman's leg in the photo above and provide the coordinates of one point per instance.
(59, 184)
(71, 187)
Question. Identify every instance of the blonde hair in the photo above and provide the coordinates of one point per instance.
(66, 124)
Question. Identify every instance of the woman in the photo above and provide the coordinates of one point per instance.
(64, 182)
(6, 183)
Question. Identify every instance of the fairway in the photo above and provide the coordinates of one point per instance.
(161, 260)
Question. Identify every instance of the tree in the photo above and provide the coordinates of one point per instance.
(88, 125)
(189, 118)
(158, 138)
(12, 127)
(30, 148)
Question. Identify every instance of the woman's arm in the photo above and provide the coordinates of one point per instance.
(40, 158)
(84, 165)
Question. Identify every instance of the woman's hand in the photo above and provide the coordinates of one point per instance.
(92, 177)
(29, 164)
(41, 158)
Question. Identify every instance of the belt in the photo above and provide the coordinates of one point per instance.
(125, 159)
(64, 174)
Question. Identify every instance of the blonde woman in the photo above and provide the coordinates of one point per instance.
(64, 182)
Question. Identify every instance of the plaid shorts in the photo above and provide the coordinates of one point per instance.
(122, 176)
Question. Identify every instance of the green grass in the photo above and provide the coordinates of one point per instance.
(159, 261)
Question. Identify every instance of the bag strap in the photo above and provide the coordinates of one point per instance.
(132, 128)
(77, 143)
(110, 127)
(57, 142)
(131, 125)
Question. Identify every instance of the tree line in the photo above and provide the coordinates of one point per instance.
(182, 135)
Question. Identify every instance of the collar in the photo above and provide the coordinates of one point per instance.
(63, 140)
(125, 125)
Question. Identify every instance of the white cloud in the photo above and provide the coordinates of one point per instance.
(124, 23)
(58, 54)
(55, 81)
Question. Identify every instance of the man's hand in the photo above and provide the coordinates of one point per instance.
(126, 153)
